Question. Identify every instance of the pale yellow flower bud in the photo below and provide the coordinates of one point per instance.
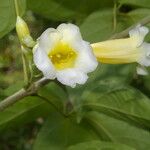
(23, 32)
(22, 28)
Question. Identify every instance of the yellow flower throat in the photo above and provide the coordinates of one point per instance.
(63, 56)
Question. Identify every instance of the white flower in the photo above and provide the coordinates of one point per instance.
(61, 53)
(127, 50)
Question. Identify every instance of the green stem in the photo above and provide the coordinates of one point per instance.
(26, 79)
(125, 33)
(16, 7)
(49, 102)
(115, 15)
(32, 89)
(25, 70)
(31, 71)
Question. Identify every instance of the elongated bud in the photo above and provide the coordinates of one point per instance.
(24, 33)
(22, 28)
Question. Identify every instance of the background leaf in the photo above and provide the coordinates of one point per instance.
(70, 10)
(138, 3)
(59, 132)
(99, 145)
(121, 75)
(27, 110)
(126, 103)
(100, 26)
(54, 94)
(116, 130)
(8, 15)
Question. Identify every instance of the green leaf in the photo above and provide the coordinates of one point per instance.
(54, 94)
(14, 88)
(138, 3)
(8, 15)
(53, 90)
(34, 106)
(59, 132)
(127, 103)
(143, 83)
(106, 78)
(100, 25)
(99, 145)
(138, 14)
(117, 130)
(28, 109)
(70, 10)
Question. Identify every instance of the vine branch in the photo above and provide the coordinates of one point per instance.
(125, 33)
(32, 89)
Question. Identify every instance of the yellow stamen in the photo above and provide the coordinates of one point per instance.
(63, 56)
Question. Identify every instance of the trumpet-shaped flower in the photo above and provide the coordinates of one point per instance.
(127, 50)
(61, 53)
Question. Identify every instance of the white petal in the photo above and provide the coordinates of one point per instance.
(70, 33)
(49, 39)
(86, 60)
(145, 52)
(71, 77)
(138, 34)
(43, 63)
(141, 70)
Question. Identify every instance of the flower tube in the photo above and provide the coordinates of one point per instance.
(127, 50)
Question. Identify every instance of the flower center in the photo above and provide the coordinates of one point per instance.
(63, 56)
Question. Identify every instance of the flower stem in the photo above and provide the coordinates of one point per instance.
(26, 80)
(31, 71)
(24, 61)
(49, 102)
(16, 7)
(115, 15)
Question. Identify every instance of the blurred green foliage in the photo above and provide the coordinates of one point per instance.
(111, 111)
(8, 15)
